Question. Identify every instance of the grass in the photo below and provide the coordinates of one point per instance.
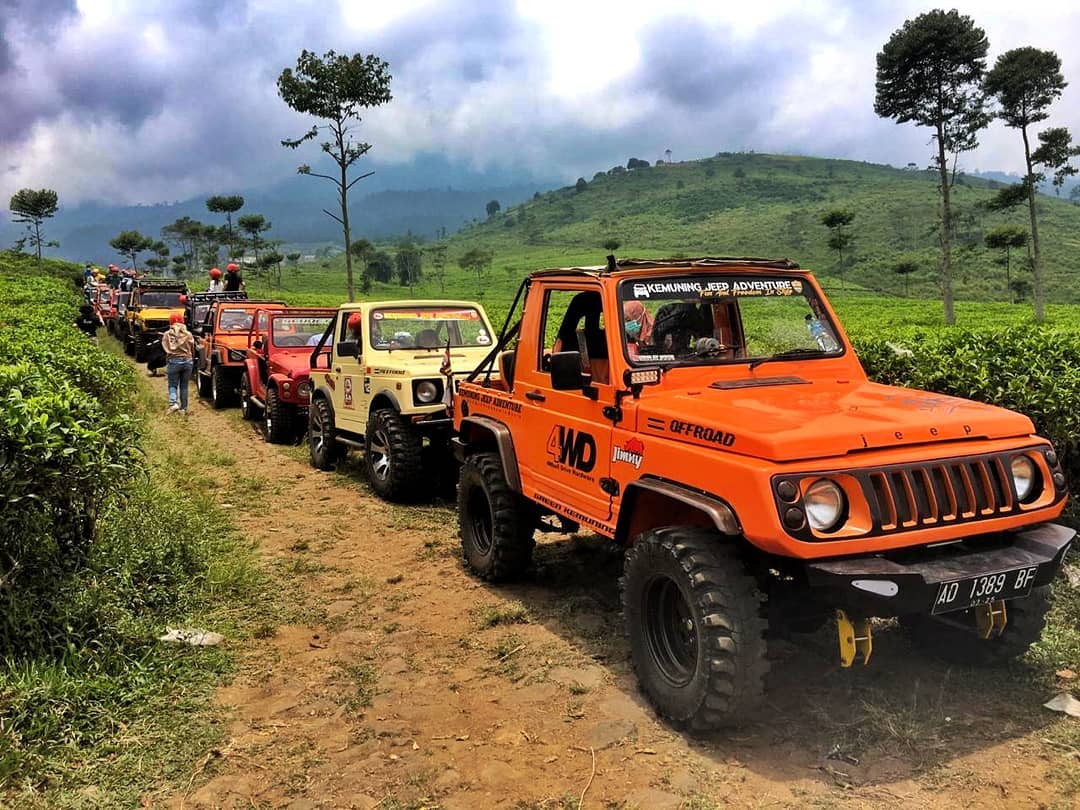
(118, 718)
(362, 679)
(491, 615)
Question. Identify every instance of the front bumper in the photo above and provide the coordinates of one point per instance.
(919, 581)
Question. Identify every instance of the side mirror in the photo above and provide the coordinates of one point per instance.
(257, 345)
(566, 371)
(324, 354)
(347, 348)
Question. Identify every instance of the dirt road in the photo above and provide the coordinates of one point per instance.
(412, 685)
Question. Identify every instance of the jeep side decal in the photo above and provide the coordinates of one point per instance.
(572, 448)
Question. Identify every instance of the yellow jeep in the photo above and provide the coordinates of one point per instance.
(148, 311)
(379, 378)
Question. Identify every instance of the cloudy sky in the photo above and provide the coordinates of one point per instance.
(145, 101)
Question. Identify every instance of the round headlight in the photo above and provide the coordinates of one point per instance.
(304, 389)
(824, 502)
(1023, 475)
(426, 391)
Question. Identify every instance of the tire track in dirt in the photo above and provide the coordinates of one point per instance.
(412, 685)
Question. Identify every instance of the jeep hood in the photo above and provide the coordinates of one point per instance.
(807, 420)
(294, 364)
(157, 313)
(412, 361)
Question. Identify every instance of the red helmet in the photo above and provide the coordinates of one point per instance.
(232, 268)
(113, 268)
(183, 298)
(356, 320)
(215, 273)
(176, 317)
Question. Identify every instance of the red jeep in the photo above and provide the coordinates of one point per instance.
(275, 382)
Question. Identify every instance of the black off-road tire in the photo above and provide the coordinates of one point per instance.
(202, 384)
(248, 409)
(695, 621)
(325, 452)
(278, 418)
(392, 450)
(129, 345)
(496, 529)
(1025, 621)
(221, 392)
(140, 348)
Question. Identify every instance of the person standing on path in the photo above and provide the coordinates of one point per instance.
(179, 346)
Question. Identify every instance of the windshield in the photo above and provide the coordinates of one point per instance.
(694, 319)
(297, 330)
(104, 296)
(235, 320)
(427, 328)
(160, 299)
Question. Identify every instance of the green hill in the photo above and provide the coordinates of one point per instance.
(748, 204)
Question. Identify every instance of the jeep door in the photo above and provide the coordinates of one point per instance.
(350, 402)
(565, 447)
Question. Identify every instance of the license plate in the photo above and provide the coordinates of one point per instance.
(959, 594)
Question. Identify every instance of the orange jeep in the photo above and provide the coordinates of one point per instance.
(711, 415)
(222, 348)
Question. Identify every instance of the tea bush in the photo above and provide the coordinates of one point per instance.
(1030, 369)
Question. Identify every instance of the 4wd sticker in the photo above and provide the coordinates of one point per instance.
(705, 434)
(572, 449)
(347, 390)
(632, 453)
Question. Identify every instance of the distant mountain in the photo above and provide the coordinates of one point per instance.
(1046, 187)
(453, 195)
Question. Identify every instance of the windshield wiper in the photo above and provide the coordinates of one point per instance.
(789, 354)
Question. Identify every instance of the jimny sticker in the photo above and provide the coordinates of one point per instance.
(632, 453)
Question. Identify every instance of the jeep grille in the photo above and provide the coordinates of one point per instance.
(156, 323)
(947, 492)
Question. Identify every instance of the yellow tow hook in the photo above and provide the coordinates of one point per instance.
(855, 639)
(991, 619)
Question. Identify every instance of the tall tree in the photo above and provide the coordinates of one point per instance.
(839, 238)
(1025, 82)
(438, 265)
(492, 208)
(1005, 238)
(929, 73)
(408, 262)
(478, 261)
(130, 244)
(335, 88)
(254, 225)
(227, 204)
(31, 208)
(904, 268)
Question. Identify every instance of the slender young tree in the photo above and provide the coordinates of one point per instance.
(130, 244)
(335, 88)
(1025, 82)
(839, 238)
(1005, 238)
(930, 73)
(31, 208)
(254, 225)
(227, 204)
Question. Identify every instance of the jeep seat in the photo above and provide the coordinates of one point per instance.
(507, 362)
(427, 339)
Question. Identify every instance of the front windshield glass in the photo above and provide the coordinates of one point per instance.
(235, 320)
(104, 296)
(160, 299)
(695, 319)
(297, 330)
(427, 328)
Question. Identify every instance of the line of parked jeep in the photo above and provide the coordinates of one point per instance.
(708, 414)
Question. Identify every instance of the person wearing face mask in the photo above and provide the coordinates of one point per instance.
(179, 346)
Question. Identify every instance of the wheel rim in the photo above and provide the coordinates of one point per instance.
(671, 633)
(480, 520)
(269, 415)
(379, 454)
(215, 385)
(245, 392)
(318, 439)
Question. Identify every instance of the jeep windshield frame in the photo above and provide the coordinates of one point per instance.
(686, 319)
(411, 328)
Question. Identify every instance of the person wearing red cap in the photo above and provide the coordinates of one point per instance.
(179, 346)
(234, 282)
(113, 277)
(216, 284)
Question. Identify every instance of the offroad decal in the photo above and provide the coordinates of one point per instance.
(388, 372)
(706, 434)
(347, 390)
(573, 514)
(632, 453)
(505, 405)
(572, 450)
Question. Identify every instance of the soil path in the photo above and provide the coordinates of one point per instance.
(410, 684)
